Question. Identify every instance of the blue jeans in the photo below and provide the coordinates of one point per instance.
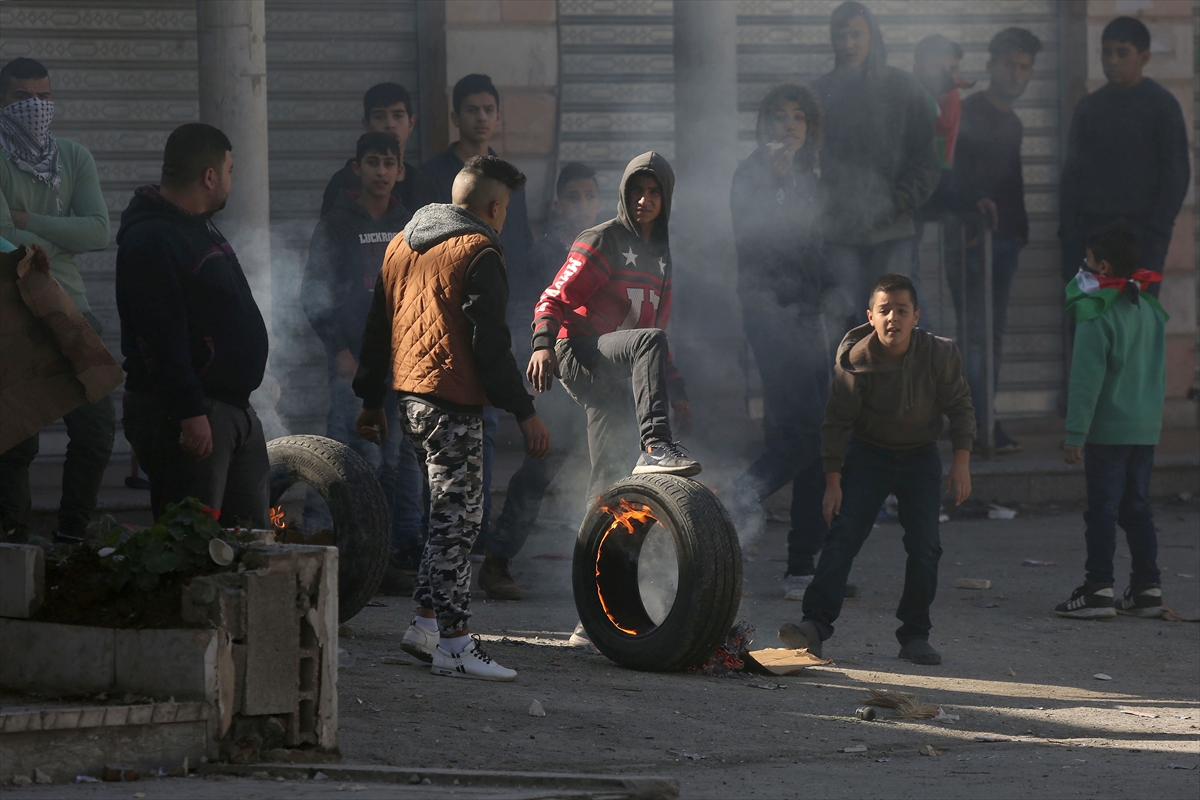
(795, 376)
(1118, 493)
(1006, 251)
(404, 487)
(869, 475)
(527, 487)
(339, 422)
(857, 267)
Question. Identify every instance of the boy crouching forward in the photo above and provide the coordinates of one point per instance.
(1114, 418)
(892, 383)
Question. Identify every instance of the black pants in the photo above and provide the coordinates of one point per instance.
(91, 429)
(599, 373)
(234, 478)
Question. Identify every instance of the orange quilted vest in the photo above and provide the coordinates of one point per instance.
(431, 346)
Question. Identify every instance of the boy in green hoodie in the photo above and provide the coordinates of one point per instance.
(1114, 418)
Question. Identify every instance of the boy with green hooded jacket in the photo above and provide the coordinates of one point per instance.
(1114, 418)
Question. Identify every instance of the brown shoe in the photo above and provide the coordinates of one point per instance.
(496, 581)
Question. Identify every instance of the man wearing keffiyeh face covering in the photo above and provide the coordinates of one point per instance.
(50, 196)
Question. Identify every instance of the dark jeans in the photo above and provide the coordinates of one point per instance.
(1118, 493)
(869, 475)
(795, 377)
(1005, 255)
(234, 478)
(91, 429)
(404, 488)
(597, 371)
(527, 487)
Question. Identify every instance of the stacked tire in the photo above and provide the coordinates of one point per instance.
(709, 588)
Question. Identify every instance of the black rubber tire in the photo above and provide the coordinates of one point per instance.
(709, 585)
(356, 503)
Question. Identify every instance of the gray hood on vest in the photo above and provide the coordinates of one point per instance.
(435, 223)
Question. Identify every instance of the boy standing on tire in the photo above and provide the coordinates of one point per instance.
(437, 323)
(891, 385)
(602, 322)
(1114, 418)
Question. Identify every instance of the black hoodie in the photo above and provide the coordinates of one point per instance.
(879, 163)
(190, 329)
(344, 260)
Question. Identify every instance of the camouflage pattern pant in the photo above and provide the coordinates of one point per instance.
(453, 448)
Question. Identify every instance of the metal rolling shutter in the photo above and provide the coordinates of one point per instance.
(782, 41)
(124, 76)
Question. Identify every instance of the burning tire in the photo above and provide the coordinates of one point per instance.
(657, 573)
(356, 503)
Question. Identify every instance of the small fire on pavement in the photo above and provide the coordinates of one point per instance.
(633, 517)
(277, 517)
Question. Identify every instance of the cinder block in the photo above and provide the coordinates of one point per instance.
(272, 645)
(302, 560)
(72, 659)
(218, 601)
(22, 580)
(164, 663)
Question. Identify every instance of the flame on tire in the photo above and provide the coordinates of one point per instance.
(629, 516)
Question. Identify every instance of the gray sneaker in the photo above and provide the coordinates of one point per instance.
(794, 586)
(666, 458)
(801, 637)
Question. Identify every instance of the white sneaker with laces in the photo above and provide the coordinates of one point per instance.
(420, 643)
(470, 663)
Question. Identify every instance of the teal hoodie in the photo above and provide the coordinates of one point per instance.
(1118, 373)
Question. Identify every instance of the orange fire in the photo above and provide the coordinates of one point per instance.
(625, 515)
(277, 517)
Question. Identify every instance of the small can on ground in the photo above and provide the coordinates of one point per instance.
(866, 713)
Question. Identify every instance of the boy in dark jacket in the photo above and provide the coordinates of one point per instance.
(879, 164)
(344, 259)
(194, 342)
(387, 108)
(437, 326)
(576, 205)
(1114, 419)
(892, 383)
(776, 206)
(1127, 154)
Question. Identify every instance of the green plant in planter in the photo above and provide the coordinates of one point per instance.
(177, 543)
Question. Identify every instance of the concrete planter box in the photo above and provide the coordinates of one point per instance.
(263, 677)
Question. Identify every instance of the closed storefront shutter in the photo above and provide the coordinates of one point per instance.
(124, 76)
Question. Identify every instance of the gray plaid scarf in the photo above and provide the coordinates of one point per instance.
(25, 138)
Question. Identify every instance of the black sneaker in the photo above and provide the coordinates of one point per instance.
(666, 458)
(1145, 603)
(1088, 602)
(1005, 444)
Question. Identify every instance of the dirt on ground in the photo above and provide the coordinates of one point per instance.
(1040, 705)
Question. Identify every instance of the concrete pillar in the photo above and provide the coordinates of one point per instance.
(706, 332)
(231, 39)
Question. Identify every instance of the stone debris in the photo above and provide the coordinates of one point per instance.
(858, 748)
(928, 750)
(1100, 676)
(536, 710)
(972, 583)
(41, 777)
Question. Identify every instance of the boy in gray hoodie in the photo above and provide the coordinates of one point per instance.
(892, 383)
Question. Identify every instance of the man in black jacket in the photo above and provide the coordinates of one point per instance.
(194, 342)
(387, 108)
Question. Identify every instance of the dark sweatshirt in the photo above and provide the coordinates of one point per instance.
(896, 406)
(777, 232)
(190, 329)
(879, 162)
(484, 299)
(516, 237)
(987, 162)
(417, 190)
(344, 260)
(1127, 156)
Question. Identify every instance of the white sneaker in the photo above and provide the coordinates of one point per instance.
(470, 663)
(420, 643)
(795, 585)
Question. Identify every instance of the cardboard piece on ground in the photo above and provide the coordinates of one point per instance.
(51, 361)
(781, 661)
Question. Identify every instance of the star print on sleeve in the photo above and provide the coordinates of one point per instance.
(662, 267)
(630, 257)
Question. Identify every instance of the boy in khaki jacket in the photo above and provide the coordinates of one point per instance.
(892, 384)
